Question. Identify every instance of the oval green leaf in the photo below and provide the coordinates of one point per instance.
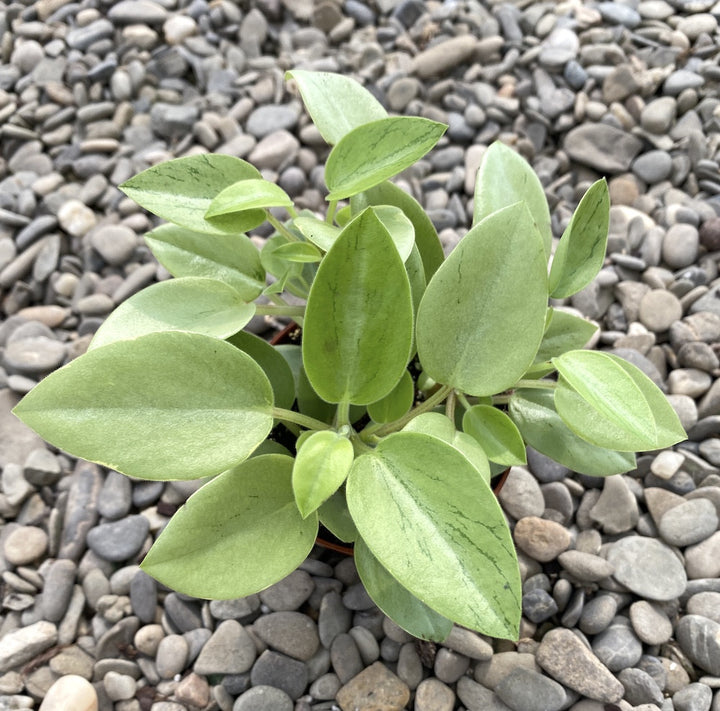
(273, 364)
(337, 104)
(482, 316)
(399, 228)
(187, 304)
(434, 524)
(496, 433)
(302, 252)
(321, 467)
(182, 189)
(248, 194)
(317, 231)
(398, 603)
(232, 259)
(169, 405)
(376, 151)
(396, 403)
(533, 411)
(581, 251)
(236, 535)
(334, 515)
(505, 178)
(358, 321)
(565, 332)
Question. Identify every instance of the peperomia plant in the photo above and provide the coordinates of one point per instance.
(418, 377)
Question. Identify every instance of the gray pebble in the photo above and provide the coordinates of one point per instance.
(119, 540)
(263, 698)
(449, 665)
(143, 596)
(345, 657)
(477, 698)
(433, 695)
(521, 495)
(597, 614)
(523, 690)
(325, 687)
(265, 120)
(706, 604)
(21, 645)
(366, 643)
(703, 559)
(183, 614)
(602, 147)
(659, 309)
(172, 656)
(441, 57)
(58, 589)
(538, 605)
(333, 619)
(42, 468)
(235, 609)
(617, 647)
(114, 243)
(291, 633)
(230, 650)
(690, 522)
(83, 37)
(640, 687)
(281, 672)
(468, 643)
(693, 697)
(34, 356)
(653, 166)
(131, 12)
(173, 121)
(115, 496)
(680, 246)
(699, 638)
(650, 623)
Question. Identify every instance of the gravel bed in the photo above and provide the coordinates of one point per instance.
(621, 575)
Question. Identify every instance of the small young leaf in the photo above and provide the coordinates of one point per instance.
(434, 524)
(496, 433)
(438, 425)
(181, 191)
(334, 515)
(248, 194)
(612, 404)
(396, 403)
(321, 466)
(533, 411)
(482, 316)
(336, 103)
(376, 151)
(505, 178)
(426, 237)
(187, 304)
(398, 603)
(566, 332)
(236, 535)
(287, 271)
(232, 259)
(273, 364)
(581, 250)
(318, 232)
(399, 228)
(302, 252)
(358, 321)
(169, 405)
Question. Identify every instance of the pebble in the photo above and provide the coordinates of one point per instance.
(650, 623)
(597, 614)
(616, 510)
(230, 650)
(521, 495)
(291, 633)
(640, 687)
(70, 692)
(523, 690)
(25, 544)
(585, 566)
(699, 638)
(703, 559)
(432, 695)
(265, 120)
(171, 656)
(263, 698)
(58, 589)
(21, 645)
(690, 522)
(637, 560)
(659, 309)
(114, 243)
(541, 539)
(281, 672)
(290, 593)
(119, 540)
(443, 56)
(376, 687)
(706, 604)
(76, 218)
(693, 697)
(617, 647)
(680, 246)
(603, 147)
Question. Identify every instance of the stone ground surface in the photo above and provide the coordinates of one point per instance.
(621, 575)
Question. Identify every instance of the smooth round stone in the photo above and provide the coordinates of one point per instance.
(693, 697)
(281, 672)
(291, 633)
(650, 623)
(263, 698)
(450, 666)
(526, 689)
(366, 644)
(538, 605)
(659, 115)
(699, 638)
(58, 589)
(147, 639)
(706, 604)
(114, 243)
(603, 147)
(617, 647)
(541, 539)
(76, 218)
(119, 540)
(681, 245)
(469, 643)
(637, 560)
(119, 687)
(690, 522)
(333, 619)
(24, 545)
(345, 657)
(640, 687)
(172, 656)
(70, 692)
(433, 695)
(326, 687)
(138, 12)
(234, 609)
(230, 650)
(597, 614)
(703, 559)
(178, 27)
(34, 356)
(115, 496)
(585, 566)
(143, 596)
(659, 309)
(689, 381)
(710, 234)
(616, 510)
(267, 119)
(521, 495)
(653, 166)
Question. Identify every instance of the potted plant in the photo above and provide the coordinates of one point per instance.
(418, 377)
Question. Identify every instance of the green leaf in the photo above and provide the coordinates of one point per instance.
(426, 237)
(254, 193)
(482, 317)
(376, 151)
(318, 232)
(399, 604)
(506, 178)
(336, 103)
(303, 252)
(581, 251)
(565, 332)
(321, 466)
(496, 433)
(236, 535)
(273, 364)
(169, 405)
(396, 403)
(310, 403)
(181, 191)
(334, 515)
(533, 411)
(399, 228)
(611, 403)
(434, 524)
(191, 304)
(438, 425)
(285, 270)
(233, 259)
(358, 320)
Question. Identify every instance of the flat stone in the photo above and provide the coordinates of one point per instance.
(521, 495)
(658, 115)
(263, 698)
(637, 560)
(690, 522)
(650, 623)
(374, 689)
(23, 644)
(70, 692)
(616, 510)
(681, 246)
(705, 604)
(699, 638)
(134, 12)
(525, 690)
(281, 672)
(653, 166)
(444, 56)
(703, 559)
(432, 695)
(58, 589)
(570, 662)
(81, 510)
(640, 687)
(541, 539)
(172, 656)
(603, 147)
(24, 545)
(119, 540)
(659, 309)
(230, 650)
(291, 633)
(468, 643)
(34, 356)
(267, 119)
(585, 566)
(289, 593)
(617, 647)
(114, 243)
(597, 614)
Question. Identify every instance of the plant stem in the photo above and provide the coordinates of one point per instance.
(536, 384)
(298, 418)
(284, 231)
(450, 407)
(280, 310)
(332, 208)
(435, 399)
(342, 417)
(463, 400)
